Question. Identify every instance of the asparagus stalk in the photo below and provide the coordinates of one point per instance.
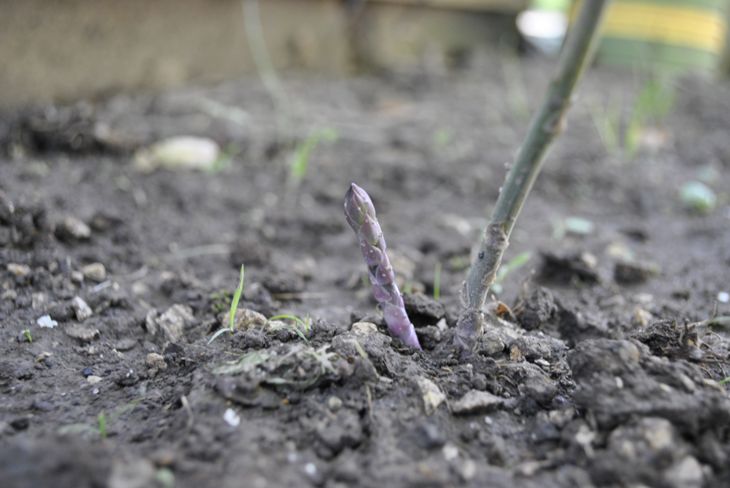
(360, 214)
(544, 128)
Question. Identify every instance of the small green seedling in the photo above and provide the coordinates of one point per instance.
(437, 281)
(724, 381)
(651, 106)
(511, 265)
(234, 307)
(101, 421)
(27, 335)
(301, 327)
(299, 163)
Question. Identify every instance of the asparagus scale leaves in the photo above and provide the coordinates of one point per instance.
(360, 214)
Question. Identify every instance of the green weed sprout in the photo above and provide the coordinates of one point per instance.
(437, 281)
(101, 421)
(653, 104)
(299, 163)
(513, 264)
(27, 335)
(234, 307)
(301, 327)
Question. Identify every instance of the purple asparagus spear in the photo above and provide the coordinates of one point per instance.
(360, 214)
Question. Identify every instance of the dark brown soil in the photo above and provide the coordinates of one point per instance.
(599, 375)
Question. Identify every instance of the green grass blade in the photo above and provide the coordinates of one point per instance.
(235, 300)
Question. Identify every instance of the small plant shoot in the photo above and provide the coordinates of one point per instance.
(234, 307)
(299, 164)
(360, 214)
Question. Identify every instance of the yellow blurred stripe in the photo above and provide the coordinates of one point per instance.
(684, 26)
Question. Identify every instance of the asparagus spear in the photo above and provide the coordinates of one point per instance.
(360, 214)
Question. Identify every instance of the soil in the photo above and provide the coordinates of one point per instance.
(599, 368)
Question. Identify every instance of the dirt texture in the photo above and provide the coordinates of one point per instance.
(599, 367)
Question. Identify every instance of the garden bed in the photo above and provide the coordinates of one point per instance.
(601, 371)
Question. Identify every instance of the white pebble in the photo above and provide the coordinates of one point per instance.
(310, 469)
(231, 417)
(723, 297)
(46, 322)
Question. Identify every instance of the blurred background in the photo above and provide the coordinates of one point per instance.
(67, 50)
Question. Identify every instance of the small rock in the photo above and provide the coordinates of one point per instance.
(71, 228)
(723, 297)
(77, 276)
(126, 344)
(640, 317)
(245, 319)
(155, 363)
(334, 403)
(82, 333)
(94, 272)
(431, 394)
(476, 402)
(81, 309)
(18, 270)
(231, 418)
(182, 152)
(632, 272)
(173, 321)
(364, 328)
(93, 379)
(46, 322)
(686, 473)
(86, 372)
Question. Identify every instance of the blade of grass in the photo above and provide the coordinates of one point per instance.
(236, 298)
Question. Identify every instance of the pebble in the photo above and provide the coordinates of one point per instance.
(640, 317)
(364, 328)
(46, 322)
(171, 323)
(93, 379)
(94, 272)
(82, 333)
(155, 362)
(476, 401)
(231, 417)
(431, 395)
(126, 344)
(245, 319)
(181, 152)
(723, 297)
(18, 270)
(73, 228)
(685, 473)
(86, 372)
(334, 403)
(81, 309)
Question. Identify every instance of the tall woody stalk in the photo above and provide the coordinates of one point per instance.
(544, 128)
